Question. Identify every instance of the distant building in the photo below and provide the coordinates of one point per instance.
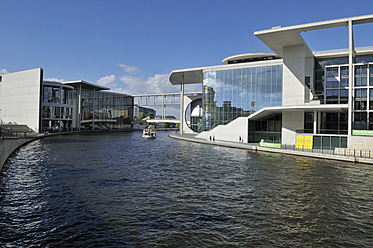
(25, 98)
(294, 96)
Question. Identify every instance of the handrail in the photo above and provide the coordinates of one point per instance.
(9, 133)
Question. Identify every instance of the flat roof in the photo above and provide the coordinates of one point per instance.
(86, 85)
(247, 56)
(58, 84)
(195, 75)
(279, 37)
(187, 76)
(359, 51)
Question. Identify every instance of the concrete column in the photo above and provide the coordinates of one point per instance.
(291, 121)
(182, 106)
(351, 73)
(93, 110)
(80, 107)
(314, 122)
(318, 120)
(163, 108)
(60, 114)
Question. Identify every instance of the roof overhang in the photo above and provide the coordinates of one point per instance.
(187, 76)
(57, 84)
(195, 75)
(86, 85)
(303, 108)
(279, 37)
(248, 56)
(360, 51)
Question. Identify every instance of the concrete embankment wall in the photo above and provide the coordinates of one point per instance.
(8, 146)
(340, 155)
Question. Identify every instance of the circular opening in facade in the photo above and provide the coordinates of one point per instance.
(193, 115)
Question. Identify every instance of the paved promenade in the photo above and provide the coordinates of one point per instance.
(256, 147)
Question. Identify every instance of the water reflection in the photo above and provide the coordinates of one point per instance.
(117, 190)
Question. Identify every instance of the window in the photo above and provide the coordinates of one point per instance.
(361, 70)
(360, 120)
(360, 105)
(360, 116)
(46, 112)
(344, 71)
(344, 82)
(361, 93)
(1, 79)
(361, 75)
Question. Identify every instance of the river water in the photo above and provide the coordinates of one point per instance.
(117, 190)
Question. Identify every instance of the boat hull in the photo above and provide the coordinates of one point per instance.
(148, 137)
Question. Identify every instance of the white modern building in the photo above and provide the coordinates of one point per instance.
(27, 99)
(293, 96)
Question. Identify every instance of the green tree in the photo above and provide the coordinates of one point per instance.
(166, 125)
(141, 116)
(149, 114)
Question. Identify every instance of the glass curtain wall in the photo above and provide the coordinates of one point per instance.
(319, 85)
(267, 129)
(232, 93)
(336, 92)
(363, 93)
(105, 110)
(57, 108)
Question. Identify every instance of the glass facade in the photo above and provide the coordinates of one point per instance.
(320, 66)
(102, 110)
(80, 106)
(57, 107)
(228, 94)
(319, 85)
(331, 86)
(267, 129)
(329, 142)
(336, 91)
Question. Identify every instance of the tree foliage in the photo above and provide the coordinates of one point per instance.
(166, 125)
(141, 116)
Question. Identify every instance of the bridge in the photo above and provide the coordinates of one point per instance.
(161, 99)
(152, 119)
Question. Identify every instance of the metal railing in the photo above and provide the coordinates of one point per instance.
(339, 151)
(10, 133)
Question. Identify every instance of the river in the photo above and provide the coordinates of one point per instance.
(117, 190)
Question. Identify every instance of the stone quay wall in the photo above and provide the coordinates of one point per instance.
(8, 145)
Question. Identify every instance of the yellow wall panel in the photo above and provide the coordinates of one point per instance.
(308, 141)
(299, 141)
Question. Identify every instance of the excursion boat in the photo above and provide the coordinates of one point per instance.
(149, 134)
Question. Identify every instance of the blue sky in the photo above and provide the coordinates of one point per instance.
(132, 46)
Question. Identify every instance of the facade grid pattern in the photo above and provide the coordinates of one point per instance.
(232, 93)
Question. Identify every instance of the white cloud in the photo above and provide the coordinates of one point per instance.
(109, 81)
(136, 85)
(157, 84)
(3, 71)
(133, 70)
(54, 80)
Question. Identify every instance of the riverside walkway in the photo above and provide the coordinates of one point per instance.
(350, 156)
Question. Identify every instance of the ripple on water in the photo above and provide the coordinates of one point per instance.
(117, 190)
